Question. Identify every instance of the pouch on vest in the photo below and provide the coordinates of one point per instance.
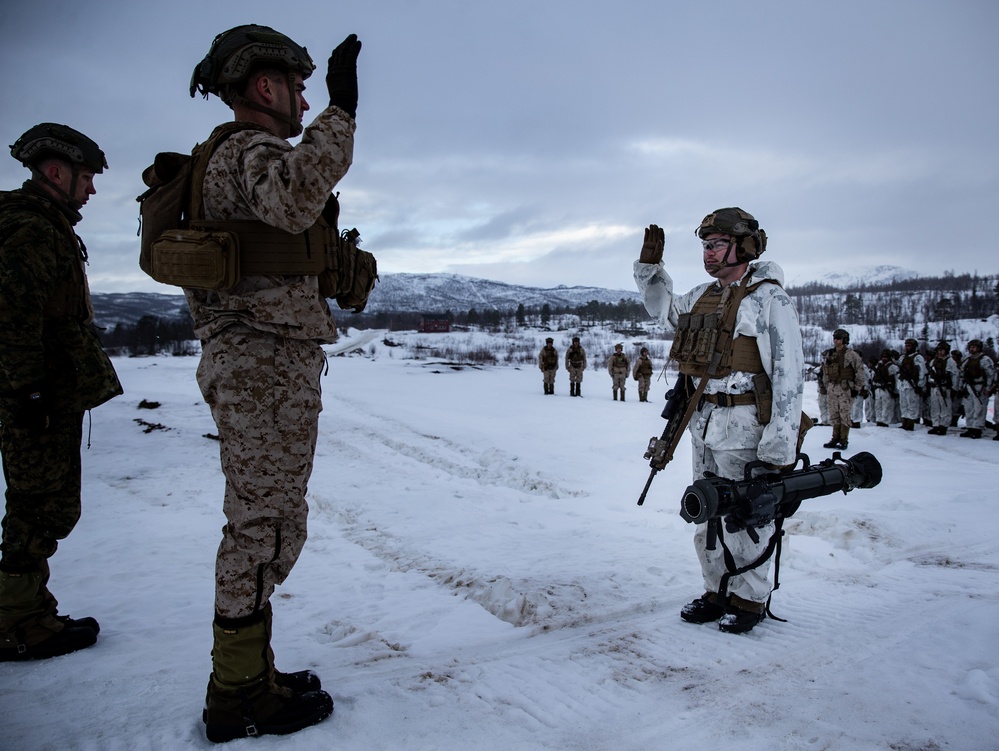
(350, 277)
(195, 258)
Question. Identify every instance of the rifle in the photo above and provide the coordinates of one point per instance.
(675, 413)
(756, 501)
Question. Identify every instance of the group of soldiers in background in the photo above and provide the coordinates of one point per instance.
(937, 389)
(618, 366)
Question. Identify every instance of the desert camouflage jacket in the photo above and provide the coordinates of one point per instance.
(257, 175)
(46, 334)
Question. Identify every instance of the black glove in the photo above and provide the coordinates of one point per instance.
(341, 75)
(652, 247)
(32, 409)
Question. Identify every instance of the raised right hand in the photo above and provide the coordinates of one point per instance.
(341, 75)
(652, 247)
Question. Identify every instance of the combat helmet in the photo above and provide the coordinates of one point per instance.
(842, 334)
(976, 343)
(752, 241)
(48, 140)
(233, 56)
(943, 345)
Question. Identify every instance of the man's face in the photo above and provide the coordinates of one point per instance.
(84, 186)
(974, 349)
(716, 248)
(909, 348)
(282, 97)
(839, 342)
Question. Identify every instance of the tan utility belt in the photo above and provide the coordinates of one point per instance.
(731, 400)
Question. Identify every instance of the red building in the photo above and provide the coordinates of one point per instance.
(433, 323)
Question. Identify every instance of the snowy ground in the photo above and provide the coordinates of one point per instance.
(478, 576)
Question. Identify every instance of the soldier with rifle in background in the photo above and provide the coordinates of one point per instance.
(885, 385)
(911, 384)
(979, 376)
(941, 380)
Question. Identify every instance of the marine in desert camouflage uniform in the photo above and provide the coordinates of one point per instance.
(575, 363)
(548, 365)
(262, 360)
(618, 367)
(845, 376)
(642, 372)
(52, 370)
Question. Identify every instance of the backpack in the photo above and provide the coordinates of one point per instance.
(180, 248)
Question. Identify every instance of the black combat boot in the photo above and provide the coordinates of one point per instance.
(704, 609)
(739, 620)
(244, 696)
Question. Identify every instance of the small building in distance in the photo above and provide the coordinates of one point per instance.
(434, 323)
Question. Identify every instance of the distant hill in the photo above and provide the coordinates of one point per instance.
(821, 300)
(420, 293)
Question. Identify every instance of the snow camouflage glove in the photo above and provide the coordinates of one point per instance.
(652, 247)
(341, 76)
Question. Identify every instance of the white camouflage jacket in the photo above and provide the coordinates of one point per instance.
(257, 175)
(767, 314)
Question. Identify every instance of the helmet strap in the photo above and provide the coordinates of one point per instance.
(291, 117)
(67, 198)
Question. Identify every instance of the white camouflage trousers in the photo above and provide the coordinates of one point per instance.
(753, 585)
(264, 394)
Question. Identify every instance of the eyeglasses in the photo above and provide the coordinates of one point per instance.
(716, 244)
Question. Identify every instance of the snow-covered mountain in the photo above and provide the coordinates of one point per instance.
(437, 293)
(847, 279)
(422, 293)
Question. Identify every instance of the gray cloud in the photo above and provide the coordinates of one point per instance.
(532, 142)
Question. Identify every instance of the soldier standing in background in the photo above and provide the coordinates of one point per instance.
(941, 379)
(884, 383)
(979, 376)
(262, 358)
(911, 384)
(957, 402)
(820, 384)
(575, 363)
(845, 376)
(642, 372)
(548, 365)
(52, 370)
(618, 366)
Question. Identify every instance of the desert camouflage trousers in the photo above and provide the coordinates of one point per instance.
(42, 471)
(575, 375)
(548, 376)
(840, 404)
(644, 383)
(264, 394)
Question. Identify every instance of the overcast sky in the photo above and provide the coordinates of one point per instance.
(532, 142)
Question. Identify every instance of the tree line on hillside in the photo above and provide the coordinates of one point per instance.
(889, 305)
